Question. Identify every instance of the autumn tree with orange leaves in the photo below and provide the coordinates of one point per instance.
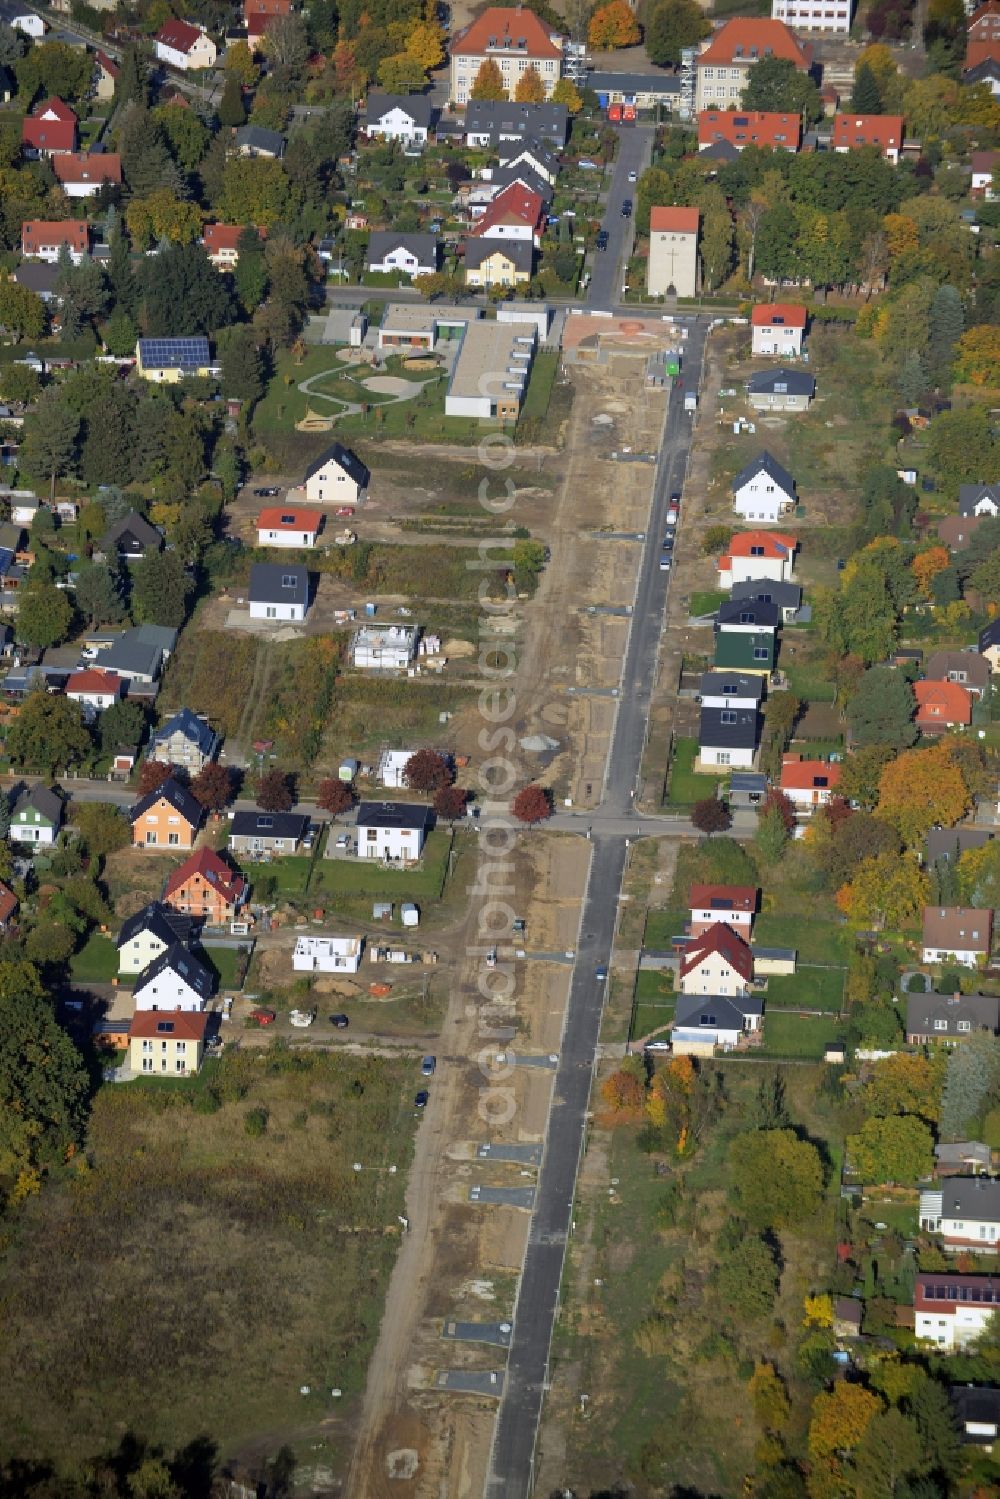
(921, 789)
(926, 566)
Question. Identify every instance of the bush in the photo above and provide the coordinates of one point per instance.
(255, 1122)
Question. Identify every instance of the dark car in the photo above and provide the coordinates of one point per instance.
(627, 208)
(602, 240)
(675, 497)
(600, 973)
(420, 1102)
(268, 493)
(340, 1021)
(668, 542)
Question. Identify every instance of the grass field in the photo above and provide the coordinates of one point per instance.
(706, 601)
(798, 1035)
(815, 940)
(224, 963)
(661, 926)
(686, 785)
(540, 383)
(196, 1276)
(211, 672)
(654, 1004)
(808, 989)
(96, 962)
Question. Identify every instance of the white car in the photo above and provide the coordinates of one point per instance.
(633, 176)
(301, 1018)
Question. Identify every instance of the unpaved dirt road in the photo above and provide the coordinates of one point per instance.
(459, 1259)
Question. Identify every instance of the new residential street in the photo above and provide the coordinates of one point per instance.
(520, 1408)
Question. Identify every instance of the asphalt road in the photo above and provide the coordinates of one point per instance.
(512, 1468)
(607, 275)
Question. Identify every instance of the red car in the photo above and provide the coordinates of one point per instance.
(345, 510)
(263, 1017)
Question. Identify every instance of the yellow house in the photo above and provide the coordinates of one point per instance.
(166, 1043)
(494, 262)
(170, 360)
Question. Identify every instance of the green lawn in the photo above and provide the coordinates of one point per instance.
(224, 963)
(808, 682)
(359, 877)
(816, 941)
(661, 926)
(808, 989)
(96, 962)
(706, 601)
(798, 1035)
(540, 383)
(687, 786)
(654, 1005)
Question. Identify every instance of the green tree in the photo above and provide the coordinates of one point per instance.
(232, 111)
(54, 68)
(866, 96)
(488, 82)
(132, 83)
(971, 1082)
(43, 1087)
(256, 190)
(98, 596)
(889, 1453)
(960, 446)
(186, 134)
(770, 838)
(160, 590)
(103, 828)
(672, 25)
(881, 710)
(22, 312)
(746, 1278)
(775, 83)
(978, 874)
(122, 726)
(946, 323)
(242, 366)
(401, 73)
(896, 1148)
(19, 384)
(110, 452)
(147, 164)
(50, 438)
(250, 277)
(776, 1179)
(49, 732)
(185, 293)
(44, 615)
(120, 334)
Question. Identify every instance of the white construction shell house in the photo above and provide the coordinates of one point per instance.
(384, 647)
(328, 954)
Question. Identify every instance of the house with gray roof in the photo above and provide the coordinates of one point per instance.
(487, 123)
(336, 477)
(780, 390)
(728, 738)
(965, 1211)
(715, 1019)
(763, 491)
(131, 537)
(254, 140)
(148, 934)
(185, 739)
(176, 980)
(37, 816)
(641, 90)
(257, 834)
(523, 173)
(979, 499)
(950, 1018)
(134, 656)
(398, 117)
(530, 153)
(949, 844)
(41, 278)
(410, 254)
(786, 596)
(279, 591)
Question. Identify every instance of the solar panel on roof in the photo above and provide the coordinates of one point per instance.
(174, 353)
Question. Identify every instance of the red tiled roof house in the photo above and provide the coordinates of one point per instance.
(808, 784)
(754, 127)
(42, 239)
(50, 128)
(941, 706)
(753, 555)
(206, 887)
(673, 251)
(279, 526)
(778, 328)
(717, 962)
(851, 132)
(82, 174)
(184, 46)
(516, 40)
(733, 904)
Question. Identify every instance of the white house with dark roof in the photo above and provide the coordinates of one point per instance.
(337, 477)
(781, 390)
(394, 831)
(37, 816)
(174, 981)
(979, 499)
(412, 254)
(950, 1018)
(398, 117)
(719, 1020)
(185, 739)
(279, 591)
(965, 1212)
(148, 934)
(763, 491)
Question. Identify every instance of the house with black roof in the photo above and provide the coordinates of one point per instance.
(37, 815)
(394, 831)
(148, 934)
(728, 738)
(398, 117)
(185, 739)
(780, 390)
(279, 591)
(532, 154)
(412, 254)
(337, 477)
(950, 1018)
(255, 140)
(746, 616)
(176, 980)
(168, 817)
(979, 499)
(763, 491)
(261, 833)
(131, 537)
(786, 596)
(487, 122)
(977, 1407)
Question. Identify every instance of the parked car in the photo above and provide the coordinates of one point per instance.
(263, 1017)
(627, 208)
(665, 562)
(301, 1018)
(633, 176)
(675, 498)
(668, 542)
(344, 840)
(672, 516)
(602, 239)
(420, 1102)
(310, 838)
(267, 493)
(340, 1021)
(600, 973)
(345, 510)
(428, 1066)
